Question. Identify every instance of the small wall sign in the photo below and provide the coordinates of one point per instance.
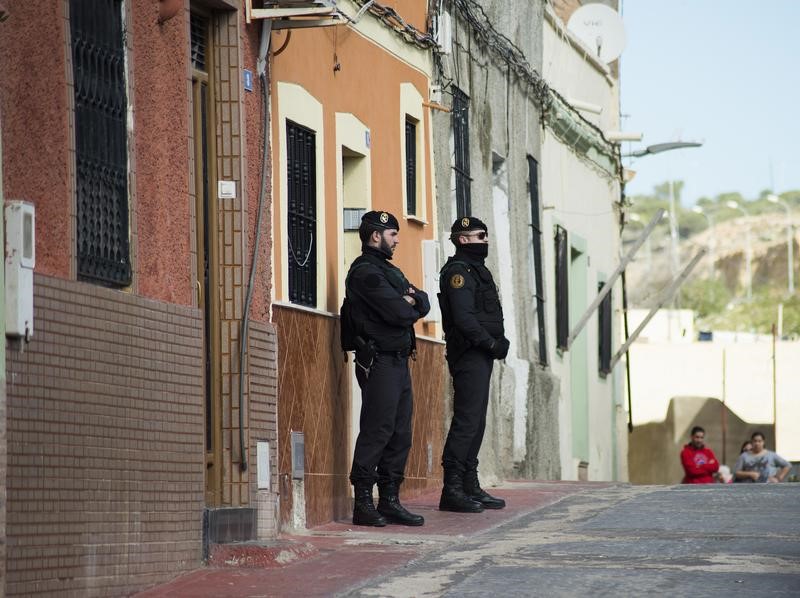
(226, 189)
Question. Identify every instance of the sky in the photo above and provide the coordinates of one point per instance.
(722, 72)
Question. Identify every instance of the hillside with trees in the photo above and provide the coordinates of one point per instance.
(717, 288)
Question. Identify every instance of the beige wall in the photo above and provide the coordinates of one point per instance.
(660, 371)
(654, 448)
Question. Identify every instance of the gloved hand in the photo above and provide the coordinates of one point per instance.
(500, 347)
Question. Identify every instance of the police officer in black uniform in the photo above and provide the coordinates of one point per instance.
(383, 309)
(473, 325)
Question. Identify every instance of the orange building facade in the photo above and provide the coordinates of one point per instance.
(351, 132)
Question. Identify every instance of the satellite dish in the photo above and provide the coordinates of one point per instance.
(600, 27)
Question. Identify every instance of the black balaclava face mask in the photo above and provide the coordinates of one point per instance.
(476, 250)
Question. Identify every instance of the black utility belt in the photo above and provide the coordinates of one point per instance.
(402, 354)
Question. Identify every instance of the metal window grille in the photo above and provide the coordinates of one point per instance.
(302, 214)
(411, 167)
(562, 287)
(604, 333)
(199, 41)
(536, 227)
(461, 139)
(101, 142)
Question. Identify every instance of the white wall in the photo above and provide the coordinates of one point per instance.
(581, 198)
(660, 371)
(676, 325)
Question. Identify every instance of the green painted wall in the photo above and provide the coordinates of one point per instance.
(578, 352)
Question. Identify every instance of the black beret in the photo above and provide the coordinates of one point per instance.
(466, 224)
(380, 220)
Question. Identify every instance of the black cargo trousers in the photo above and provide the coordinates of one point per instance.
(386, 410)
(471, 373)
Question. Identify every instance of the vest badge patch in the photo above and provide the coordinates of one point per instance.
(456, 281)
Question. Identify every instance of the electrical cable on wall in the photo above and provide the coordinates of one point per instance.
(551, 103)
(389, 17)
(262, 76)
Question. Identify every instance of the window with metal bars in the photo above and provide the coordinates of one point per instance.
(101, 141)
(562, 287)
(302, 213)
(604, 333)
(538, 272)
(461, 143)
(199, 41)
(411, 167)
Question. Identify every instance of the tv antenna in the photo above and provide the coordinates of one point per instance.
(599, 27)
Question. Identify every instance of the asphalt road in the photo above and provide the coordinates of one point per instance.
(716, 540)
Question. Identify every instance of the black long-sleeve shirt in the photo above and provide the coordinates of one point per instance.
(377, 288)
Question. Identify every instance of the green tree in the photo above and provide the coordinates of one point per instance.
(705, 296)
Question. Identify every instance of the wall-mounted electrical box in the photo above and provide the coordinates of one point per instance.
(430, 278)
(20, 262)
(298, 444)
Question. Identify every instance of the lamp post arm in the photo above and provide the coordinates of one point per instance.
(666, 296)
(612, 279)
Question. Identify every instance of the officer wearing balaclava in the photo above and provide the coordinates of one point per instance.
(472, 318)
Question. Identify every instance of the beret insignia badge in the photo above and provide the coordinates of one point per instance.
(464, 222)
(384, 217)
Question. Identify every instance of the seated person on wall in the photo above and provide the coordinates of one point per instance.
(747, 446)
(761, 465)
(699, 462)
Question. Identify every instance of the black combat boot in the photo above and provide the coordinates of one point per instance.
(389, 506)
(364, 512)
(472, 488)
(453, 496)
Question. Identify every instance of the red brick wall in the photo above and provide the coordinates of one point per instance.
(105, 443)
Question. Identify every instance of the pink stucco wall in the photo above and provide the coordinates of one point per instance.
(160, 74)
(34, 103)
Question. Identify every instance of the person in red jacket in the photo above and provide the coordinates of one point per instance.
(698, 460)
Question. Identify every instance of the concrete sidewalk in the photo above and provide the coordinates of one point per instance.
(333, 558)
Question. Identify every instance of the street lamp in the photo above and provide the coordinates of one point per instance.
(650, 149)
(663, 147)
(711, 239)
(789, 238)
(749, 257)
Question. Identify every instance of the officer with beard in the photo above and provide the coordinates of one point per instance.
(473, 325)
(384, 307)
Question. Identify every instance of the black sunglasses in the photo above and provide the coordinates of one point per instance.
(481, 235)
